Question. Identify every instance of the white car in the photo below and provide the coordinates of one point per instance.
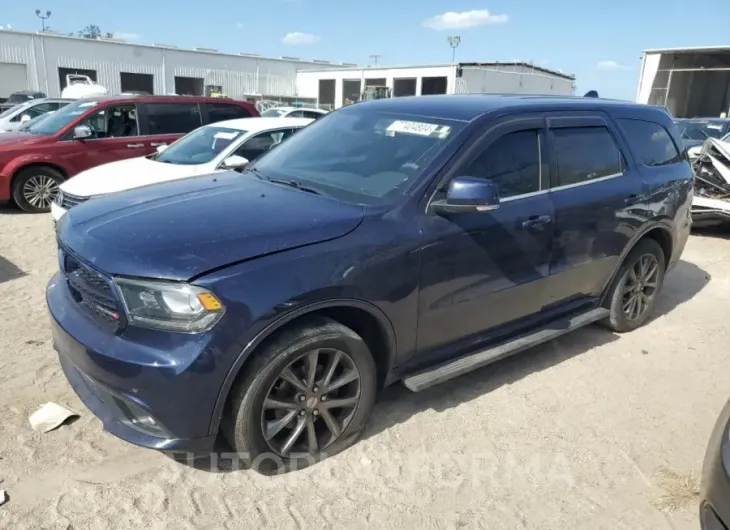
(222, 146)
(14, 117)
(293, 112)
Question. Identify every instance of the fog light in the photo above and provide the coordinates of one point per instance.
(139, 419)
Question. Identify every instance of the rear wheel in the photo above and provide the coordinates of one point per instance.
(305, 397)
(35, 188)
(635, 290)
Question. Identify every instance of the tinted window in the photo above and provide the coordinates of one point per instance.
(700, 130)
(117, 121)
(257, 145)
(222, 111)
(585, 153)
(312, 115)
(172, 118)
(651, 142)
(512, 163)
(360, 155)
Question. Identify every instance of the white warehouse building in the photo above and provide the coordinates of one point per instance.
(333, 87)
(41, 61)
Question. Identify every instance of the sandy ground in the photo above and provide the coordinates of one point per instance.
(575, 434)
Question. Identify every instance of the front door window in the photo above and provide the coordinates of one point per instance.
(118, 121)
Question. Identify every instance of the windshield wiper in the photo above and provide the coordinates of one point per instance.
(286, 182)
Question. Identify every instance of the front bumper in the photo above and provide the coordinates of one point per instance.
(148, 388)
(57, 212)
(715, 490)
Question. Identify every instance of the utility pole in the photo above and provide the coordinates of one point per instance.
(43, 18)
(375, 59)
(454, 42)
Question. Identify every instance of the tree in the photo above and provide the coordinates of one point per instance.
(91, 31)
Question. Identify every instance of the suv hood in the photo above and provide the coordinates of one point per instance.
(125, 175)
(13, 138)
(181, 229)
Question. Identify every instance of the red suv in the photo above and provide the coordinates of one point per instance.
(89, 132)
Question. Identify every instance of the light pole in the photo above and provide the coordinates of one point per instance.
(454, 43)
(43, 18)
(375, 59)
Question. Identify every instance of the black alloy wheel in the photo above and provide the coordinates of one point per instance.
(640, 287)
(311, 403)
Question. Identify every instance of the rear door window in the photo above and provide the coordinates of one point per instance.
(171, 118)
(512, 163)
(223, 111)
(651, 142)
(584, 154)
(257, 145)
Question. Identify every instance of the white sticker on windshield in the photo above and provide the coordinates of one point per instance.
(418, 128)
(226, 135)
(716, 127)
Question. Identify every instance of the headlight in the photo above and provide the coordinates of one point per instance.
(169, 306)
(59, 198)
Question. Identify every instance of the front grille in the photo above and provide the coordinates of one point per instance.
(92, 291)
(67, 201)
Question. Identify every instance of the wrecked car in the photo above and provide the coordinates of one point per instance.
(711, 165)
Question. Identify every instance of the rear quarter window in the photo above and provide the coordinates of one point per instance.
(225, 111)
(651, 142)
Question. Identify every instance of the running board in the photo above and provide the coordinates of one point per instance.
(462, 365)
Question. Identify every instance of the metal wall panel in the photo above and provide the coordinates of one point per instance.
(476, 80)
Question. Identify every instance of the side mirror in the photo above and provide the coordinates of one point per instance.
(25, 118)
(235, 162)
(468, 195)
(82, 132)
(161, 148)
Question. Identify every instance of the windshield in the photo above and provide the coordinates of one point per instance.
(272, 113)
(200, 146)
(358, 155)
(701, 130)
(60, 118)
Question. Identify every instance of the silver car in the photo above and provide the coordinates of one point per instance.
(14, 117)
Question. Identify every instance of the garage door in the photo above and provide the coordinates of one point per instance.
(13, 77)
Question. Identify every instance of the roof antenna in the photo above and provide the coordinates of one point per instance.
(591, 94)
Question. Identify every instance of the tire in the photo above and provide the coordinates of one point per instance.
(42, 179)
(247, 419)
(621, 320)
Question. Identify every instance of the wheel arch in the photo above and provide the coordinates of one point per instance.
(22, 166)
(364, 318)
(660, 232)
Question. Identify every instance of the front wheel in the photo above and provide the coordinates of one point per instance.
(306, 396)
(635, 290)
(35, 188)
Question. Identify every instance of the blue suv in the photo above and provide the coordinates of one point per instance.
(408, 239)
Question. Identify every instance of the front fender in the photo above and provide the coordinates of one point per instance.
(280, 322)
(19, 162)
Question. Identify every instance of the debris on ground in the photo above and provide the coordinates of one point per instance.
(681, 490)
(50, 416)
(3, 497)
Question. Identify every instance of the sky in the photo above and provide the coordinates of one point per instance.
(598, 41)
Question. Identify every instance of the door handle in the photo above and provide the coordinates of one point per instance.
(132, 146)
(157, 144)
(634, 198)
(537, 222)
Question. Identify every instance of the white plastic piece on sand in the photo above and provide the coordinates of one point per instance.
(50, 416)
(3, 497)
